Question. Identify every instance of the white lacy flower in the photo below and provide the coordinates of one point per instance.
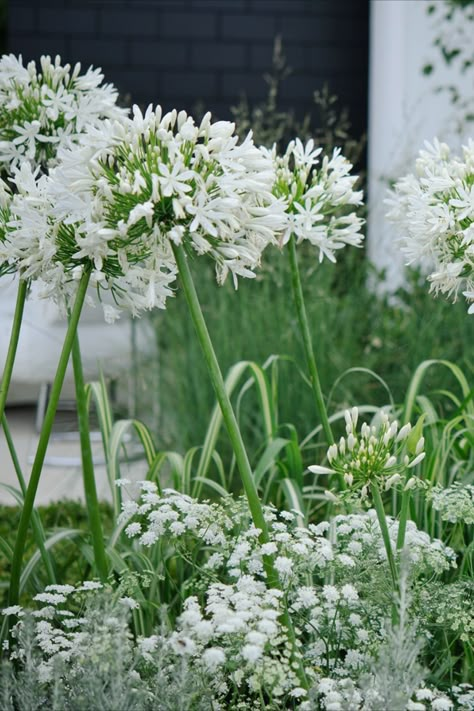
(434, 213)
(321, 199)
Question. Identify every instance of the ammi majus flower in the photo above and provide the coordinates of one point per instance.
(377, 454)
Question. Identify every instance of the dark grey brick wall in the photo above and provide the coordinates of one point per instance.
(178, 52)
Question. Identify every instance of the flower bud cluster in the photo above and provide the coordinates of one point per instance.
(434, 212)
(45, 107)
(321, 198)
(373, 455)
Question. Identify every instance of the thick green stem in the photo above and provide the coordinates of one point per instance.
(43, 442)
(307, 342)
(221, 393)
(402, 524)
(37, 526)
(14, 336)
(235, 436)
(382, 519)
(90, 490)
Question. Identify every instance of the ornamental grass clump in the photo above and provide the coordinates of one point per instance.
(433, 212)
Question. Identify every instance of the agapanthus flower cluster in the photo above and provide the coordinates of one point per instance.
(434, 213)
(374, 455)
(320, 196)
(162, 178)
(46, 107)
(117, 203)
(455, 503)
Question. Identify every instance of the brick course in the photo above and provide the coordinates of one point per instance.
(180, 52)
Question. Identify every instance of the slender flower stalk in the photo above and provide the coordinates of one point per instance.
(235, 435)
(321, 204)
(36, 524)
(32, 488)
(14, 337)
(90, 490)
(378, 504)
(221, 394)
(307, 342)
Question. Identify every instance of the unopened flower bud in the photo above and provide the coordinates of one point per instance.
(417, 460)
(332, 452)
(404, 432)
(391, 481)
(351, 442)
(420, 445)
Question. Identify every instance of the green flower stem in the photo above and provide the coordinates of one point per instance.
(235, 436)
(35, 519)
(307, 343)
(402, 524)
(14, 336)
(221, 394)
(90, 490)
(382, 519)
(43, 442)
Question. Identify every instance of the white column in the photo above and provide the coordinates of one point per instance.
(404, 110)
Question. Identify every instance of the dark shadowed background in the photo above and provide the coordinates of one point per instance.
(180, 52)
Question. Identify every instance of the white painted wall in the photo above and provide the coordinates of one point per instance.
(404, 111)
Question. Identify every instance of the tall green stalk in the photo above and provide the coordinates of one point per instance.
(382, 519)
(36, 524)
(90, 491)
(222, 397)
(12, 347)
(307, 342)
(235, 436)
(43, 441)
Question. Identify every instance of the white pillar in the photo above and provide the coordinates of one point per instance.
(404, 110)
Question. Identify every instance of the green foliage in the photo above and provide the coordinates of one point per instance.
(58, 516)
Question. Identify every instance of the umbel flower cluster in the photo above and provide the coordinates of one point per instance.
(95, 190)
(434, 212)
(373, 455)
(230, 630)
(320, 196)
(45, 107)
(116, 203)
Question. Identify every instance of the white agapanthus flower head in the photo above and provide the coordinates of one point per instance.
(157, 179)
(45, 107)
(54, 235)
(320, 196)
(433, 210)
(374, 454)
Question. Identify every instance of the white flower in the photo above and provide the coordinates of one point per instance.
(320, 200)
(47, 107)
(251, 652)
(434, 211)
(375, 454)
(213, 658)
